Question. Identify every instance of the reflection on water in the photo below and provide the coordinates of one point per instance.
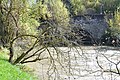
(77, 64)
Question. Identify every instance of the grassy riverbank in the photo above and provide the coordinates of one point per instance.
(11, 72)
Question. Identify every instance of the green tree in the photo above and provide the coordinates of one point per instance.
(115, 25)
(77, 7)
(110, 5)
(51, 10)
(59, 13)
(16, 19)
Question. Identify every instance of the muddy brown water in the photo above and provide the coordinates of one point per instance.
(77, 64)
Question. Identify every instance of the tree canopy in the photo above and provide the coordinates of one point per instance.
(24, 16)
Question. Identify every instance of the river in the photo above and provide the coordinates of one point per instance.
(78, 63)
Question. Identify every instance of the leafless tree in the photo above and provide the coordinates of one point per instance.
(59, 56)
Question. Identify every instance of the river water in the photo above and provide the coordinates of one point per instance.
(78, 63)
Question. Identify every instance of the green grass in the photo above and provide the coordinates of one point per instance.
(11, 72)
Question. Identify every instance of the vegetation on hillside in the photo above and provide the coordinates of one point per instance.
(22, 18)
(10, 72)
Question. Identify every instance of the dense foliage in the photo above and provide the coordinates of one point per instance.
(115, 25)
(24, 16)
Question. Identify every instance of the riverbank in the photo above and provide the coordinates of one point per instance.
(11, 72)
